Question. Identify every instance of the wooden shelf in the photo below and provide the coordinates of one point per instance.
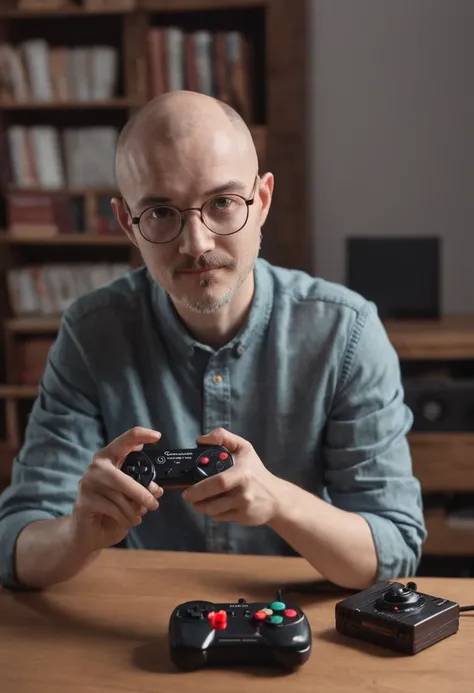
(33, 325)
(189, 5)
(66, 12)
(74, 192)
(65, 105)
(18, 391)
(443, 462)
(451, 337)
(447, 537)
(84, 239)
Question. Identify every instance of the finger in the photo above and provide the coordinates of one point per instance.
(130, 441)
(214, 486)
(217, 506)
(128, 508)
(220, 436)
(95, 503)
(155, 490)
(103, 474)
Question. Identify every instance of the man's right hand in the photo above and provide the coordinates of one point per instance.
(109, 502)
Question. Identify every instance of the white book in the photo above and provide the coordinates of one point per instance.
(17, 137)
(104, 61)
(36, 55)
(174, 38)
(204, 61)
(81, 68)
(72, 158)
(47, 152)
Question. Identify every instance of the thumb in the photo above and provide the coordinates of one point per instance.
(220, 436)
(130, 441)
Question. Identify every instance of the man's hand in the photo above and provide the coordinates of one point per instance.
(246, 493)
(109, 502)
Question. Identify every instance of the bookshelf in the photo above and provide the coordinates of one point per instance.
(112, 39)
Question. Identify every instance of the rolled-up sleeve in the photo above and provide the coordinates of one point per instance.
(368, 462)
(64, 430)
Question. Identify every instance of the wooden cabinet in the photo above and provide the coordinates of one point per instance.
(442, 461)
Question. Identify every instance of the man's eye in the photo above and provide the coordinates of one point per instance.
(222, 202)
(161, 212)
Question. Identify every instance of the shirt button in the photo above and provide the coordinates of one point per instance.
(240, 350)
(218, 378)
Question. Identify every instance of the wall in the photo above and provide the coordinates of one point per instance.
(392, 112)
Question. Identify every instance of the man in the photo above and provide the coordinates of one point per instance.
(208, 344)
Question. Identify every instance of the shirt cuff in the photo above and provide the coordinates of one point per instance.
(10, 528)
(396, 559)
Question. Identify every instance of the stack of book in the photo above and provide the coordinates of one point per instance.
(37, 71)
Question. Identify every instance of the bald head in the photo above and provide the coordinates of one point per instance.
(175, 120)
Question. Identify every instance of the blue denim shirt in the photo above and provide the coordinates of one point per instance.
(311, 380)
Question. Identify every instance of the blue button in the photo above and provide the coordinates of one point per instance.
(276, 619)
(278, 606)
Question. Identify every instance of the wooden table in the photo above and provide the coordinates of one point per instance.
(105, 631)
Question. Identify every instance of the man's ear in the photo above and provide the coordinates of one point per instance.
(265, 192)
(123, 217)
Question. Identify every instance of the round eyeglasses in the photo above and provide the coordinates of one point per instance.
(224, 215)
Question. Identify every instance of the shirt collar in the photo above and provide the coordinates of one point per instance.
(175, 333)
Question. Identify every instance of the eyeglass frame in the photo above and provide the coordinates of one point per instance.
(135, 220)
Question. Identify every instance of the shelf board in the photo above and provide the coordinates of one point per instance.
(33, 325)
(451, 337)
(65, 12)
(18, 391)
(73, 192)
(67, 239)
(189, 5)
(65, 105)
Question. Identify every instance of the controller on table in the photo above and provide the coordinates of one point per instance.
(205, 633)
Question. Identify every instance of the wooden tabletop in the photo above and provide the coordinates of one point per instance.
(105, 631)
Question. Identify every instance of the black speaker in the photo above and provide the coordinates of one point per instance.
(440, 405)
(400, 275)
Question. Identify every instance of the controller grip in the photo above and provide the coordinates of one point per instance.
(188, 658)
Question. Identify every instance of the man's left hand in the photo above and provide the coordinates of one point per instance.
(246, 493)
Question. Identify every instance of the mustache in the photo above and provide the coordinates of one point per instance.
(204, 263)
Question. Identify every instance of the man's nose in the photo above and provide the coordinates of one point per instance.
(195, 238)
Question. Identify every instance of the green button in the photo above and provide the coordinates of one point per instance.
(276, 619)
(278, 606)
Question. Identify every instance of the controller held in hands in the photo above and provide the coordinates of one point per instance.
(176, 468)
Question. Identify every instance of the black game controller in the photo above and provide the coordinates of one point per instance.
(202, 633)
(176, 468)
(397, 616)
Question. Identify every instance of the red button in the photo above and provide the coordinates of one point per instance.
(223, 456)
(218, 620)
(204, 460)
(290, 613)
(260, 615)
